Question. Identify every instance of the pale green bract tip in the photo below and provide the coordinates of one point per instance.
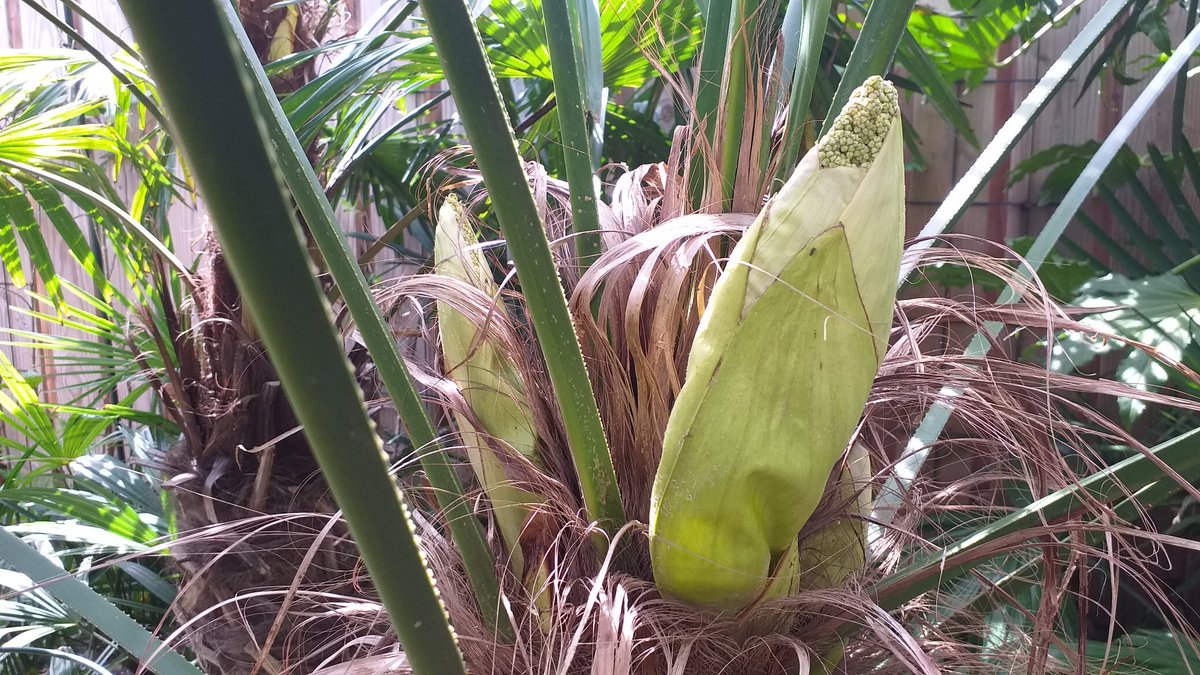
(858, 132)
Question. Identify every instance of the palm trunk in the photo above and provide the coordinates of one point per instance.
(232, 476)
(241, 464)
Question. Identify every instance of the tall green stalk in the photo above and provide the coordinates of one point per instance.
(740, 70)
(565, 39)
(713, 50)
(814, 15)
(473, 86)
(214, 119)
(301, 179)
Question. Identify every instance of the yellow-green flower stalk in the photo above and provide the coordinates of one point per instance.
(830, 555)
(782, 363)
(489, 383)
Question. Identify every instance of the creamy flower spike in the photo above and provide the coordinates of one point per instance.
(858, 133)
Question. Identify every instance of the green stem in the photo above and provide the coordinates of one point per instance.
(202, 81)
(812, 37)
(882, 30)
(1186, 264)
(465, 529)
(565, 39)
(474, 88)
(742, 69)
(713, 51)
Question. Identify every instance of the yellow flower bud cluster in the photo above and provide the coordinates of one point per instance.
(857, 134)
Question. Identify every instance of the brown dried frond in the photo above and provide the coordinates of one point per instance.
(637, 343)
(636, 309)
(1014, 422)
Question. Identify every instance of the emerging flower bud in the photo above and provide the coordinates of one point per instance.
(782, 363)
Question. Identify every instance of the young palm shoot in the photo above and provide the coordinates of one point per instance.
(782, 363)
(490, 385)
(828, 556)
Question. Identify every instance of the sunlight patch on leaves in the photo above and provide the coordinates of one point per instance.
(1161, 312)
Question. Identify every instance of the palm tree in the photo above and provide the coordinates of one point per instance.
(184, 336)
(584, 473)
(566, 398)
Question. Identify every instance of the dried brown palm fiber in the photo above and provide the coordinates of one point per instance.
(1005, 415)
(1014, 419)
(1011, 411)
(638, 342)
(636, 203)
(698, 643)
(239, 459)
